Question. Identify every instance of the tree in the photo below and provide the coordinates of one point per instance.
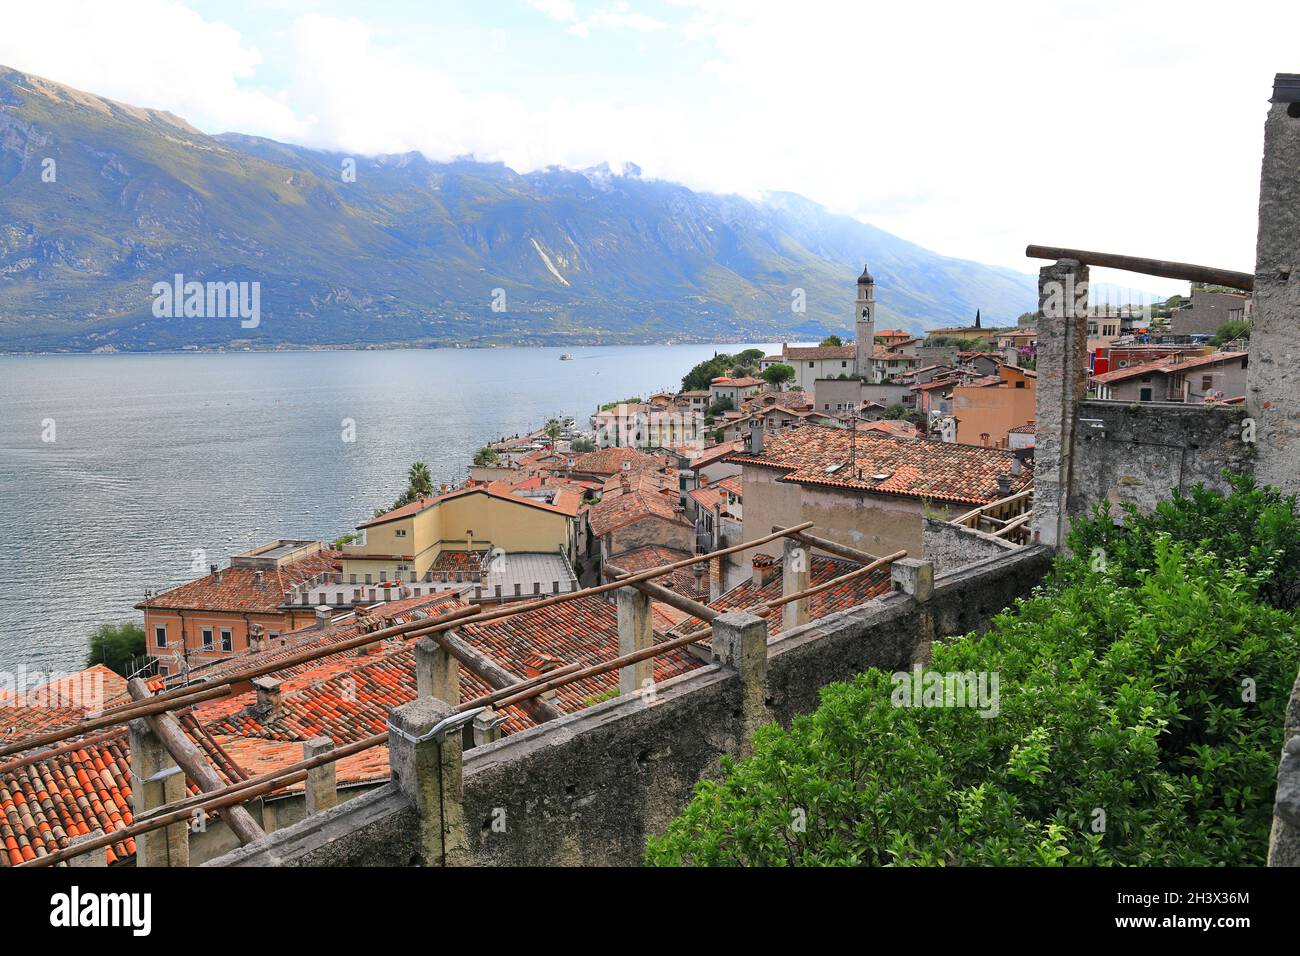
(1119, 688)
(485, 457)
(419, 481)
(831, 341)
(116, 646)
(750, 357)
(723, 404)
(777, 375)
(582, 445)
(345, 539)
(698, 378)
(1230, 331)
(553, 429)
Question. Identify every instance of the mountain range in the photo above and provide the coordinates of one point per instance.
(101, 201)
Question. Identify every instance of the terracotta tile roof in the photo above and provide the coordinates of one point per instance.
(1025, 429)
(567, 505)
(815, 353)
(899, 428)
(716, 453)
(618, 511)
(238, 591)
(731, 484)
(608, 461)
(850, 594)
(746, 382)
(915, 468)
(683, 580)
(585, 629)
(1167, 366)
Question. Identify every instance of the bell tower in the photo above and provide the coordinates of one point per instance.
(864, 323)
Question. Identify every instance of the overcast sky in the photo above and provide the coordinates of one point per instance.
(970, 128)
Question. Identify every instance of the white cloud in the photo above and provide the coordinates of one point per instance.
(968, 129)
(147, 53)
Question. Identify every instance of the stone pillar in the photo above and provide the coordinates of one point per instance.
(156, 780)
(739, 641)
(1273, 377)
(322, 782)
(487, 727)
(796, 566)
(916, 578)
(635, 633)
(437, 673)
(428, 774)
(91, 858)
(1062, 364)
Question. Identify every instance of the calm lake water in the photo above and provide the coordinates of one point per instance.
(155, 456)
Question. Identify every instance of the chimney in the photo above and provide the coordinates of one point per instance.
(216, 574)
(323, 616)
(257, 581)
(1016, 465)
(764, 570)
(255, 633)
(984, 439)
(269, 703)
(756, 437)
(1004, 486)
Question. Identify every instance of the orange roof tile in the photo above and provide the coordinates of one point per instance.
(912, 467)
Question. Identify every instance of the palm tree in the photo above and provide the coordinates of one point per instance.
(553, 429)
(420, 482)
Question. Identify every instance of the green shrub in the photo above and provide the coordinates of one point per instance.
(117, 647)
(1139, 719)
(1254, 525)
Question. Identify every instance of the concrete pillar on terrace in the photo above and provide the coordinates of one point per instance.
(156, 780)
(916, 578)
(322, 782)
(1062, 364)
(1273, 376)
(486, 727)
(437, 673)
(427, 771)
(635, 633)
(739, 641)
(796, 572)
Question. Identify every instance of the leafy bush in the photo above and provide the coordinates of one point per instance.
(1140, 712)
(1254, 525)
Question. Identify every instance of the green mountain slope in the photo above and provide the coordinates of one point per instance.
(412, 251)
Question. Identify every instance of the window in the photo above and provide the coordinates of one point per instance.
(810, 364)
(1207, 382)
(207, 638)
(844, 365)
(400, 533)
(160, 634)
(1144, 395)
(227, 640)
(1020, 384)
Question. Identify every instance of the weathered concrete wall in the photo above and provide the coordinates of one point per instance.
(1273, 386)
(1137, 453)
(588, 789)
(378, 829)
(949, 546)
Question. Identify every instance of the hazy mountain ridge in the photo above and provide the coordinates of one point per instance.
(412, 250)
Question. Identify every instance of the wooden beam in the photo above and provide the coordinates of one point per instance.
(667, 596)
(833, 547)
(1208, 275)
(493, 674)
(192, 760)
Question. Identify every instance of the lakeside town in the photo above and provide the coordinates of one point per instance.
(888, 445)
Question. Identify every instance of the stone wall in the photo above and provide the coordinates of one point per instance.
(949, 546)
(588, 788)
(1137, 453)
(1284, 842)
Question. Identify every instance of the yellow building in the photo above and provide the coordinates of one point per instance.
(407, 543)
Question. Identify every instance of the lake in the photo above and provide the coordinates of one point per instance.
(156, 456)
